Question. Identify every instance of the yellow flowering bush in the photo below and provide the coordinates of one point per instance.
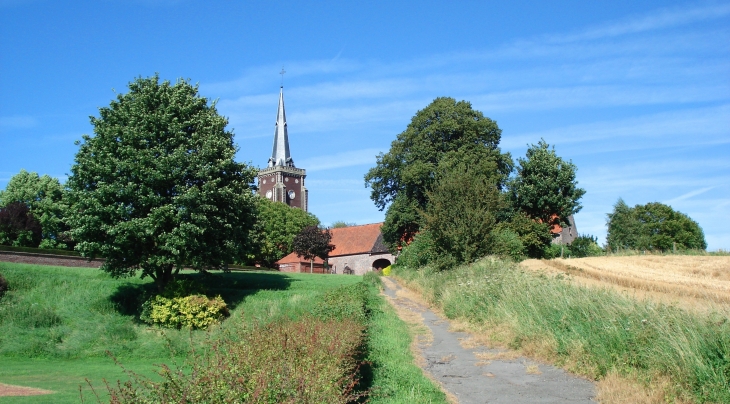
(194, 311)
(386, 271)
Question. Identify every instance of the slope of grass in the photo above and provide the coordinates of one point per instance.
(590, 331)
(58, 323)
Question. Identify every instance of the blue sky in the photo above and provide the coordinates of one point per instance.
(636, 94)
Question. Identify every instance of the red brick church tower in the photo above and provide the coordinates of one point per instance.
(281, 181)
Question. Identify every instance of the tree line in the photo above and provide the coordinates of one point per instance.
(156, 188)
(452, 196)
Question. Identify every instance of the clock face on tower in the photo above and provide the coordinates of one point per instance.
(292, 194)
(268, 194)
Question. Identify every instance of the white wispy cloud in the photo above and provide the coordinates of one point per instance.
(340, 160)
(658, 19)
(688, 195)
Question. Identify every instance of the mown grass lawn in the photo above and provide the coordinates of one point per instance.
(59, 324)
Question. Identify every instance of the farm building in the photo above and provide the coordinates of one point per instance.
(358, 249)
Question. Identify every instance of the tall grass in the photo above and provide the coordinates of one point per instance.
(589, 331)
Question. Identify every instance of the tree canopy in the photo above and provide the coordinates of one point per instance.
(653, 226)
(544, 186)
(156, 188)
(43, 195)
(276, 226)
(442, 135)
(313, 242)
(18, 226)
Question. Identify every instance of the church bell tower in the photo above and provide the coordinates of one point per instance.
(281, 181)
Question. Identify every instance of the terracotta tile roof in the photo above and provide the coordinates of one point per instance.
(357, 239)
(293, 258)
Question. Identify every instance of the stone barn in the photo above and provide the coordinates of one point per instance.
(359, 249)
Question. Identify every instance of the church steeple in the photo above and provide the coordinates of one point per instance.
(281, 181)
(280, 155)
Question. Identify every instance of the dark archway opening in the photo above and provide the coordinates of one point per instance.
(381, 263)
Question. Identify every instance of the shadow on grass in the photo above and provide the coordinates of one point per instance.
(233, 287)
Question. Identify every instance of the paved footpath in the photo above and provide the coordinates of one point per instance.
(472, 380)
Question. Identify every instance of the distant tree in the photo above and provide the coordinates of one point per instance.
(544, 187)
(276, 226)
(585, 246)
(445, 133)
(44, 197)
(623, 227)
(340, 224)
(157, 189)
(653, 226)
(313, 242)
(463, 210)
(18, 226)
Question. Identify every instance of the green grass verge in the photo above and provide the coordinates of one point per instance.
(58, 323)
(589, 331)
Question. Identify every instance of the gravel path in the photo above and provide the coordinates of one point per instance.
(471, 376)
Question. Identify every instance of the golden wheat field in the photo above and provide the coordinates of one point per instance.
(696, 282)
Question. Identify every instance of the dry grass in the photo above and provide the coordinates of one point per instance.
(9, 390)
(617, 389)
(694, 282)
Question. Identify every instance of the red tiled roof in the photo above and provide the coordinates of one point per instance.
(355, 239)
(293, 258)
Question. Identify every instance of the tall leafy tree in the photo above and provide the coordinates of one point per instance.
(544, 187)
(463, 210)
(313, 242)
(276, 226)
(156, 188)
(654, 226)
(43, 195)
(623, 227)
(446, 132)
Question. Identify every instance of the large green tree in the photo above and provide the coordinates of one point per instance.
(654, 226)
(463, 210)
(276, 226)
(43, 195)
(443, 134)
(156, 188)
(544, 187)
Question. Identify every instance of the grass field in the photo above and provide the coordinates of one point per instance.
(58, 323)
(695, 282)
(639, 350)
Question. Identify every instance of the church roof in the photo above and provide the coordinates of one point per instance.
(361, 239)
(280, 155)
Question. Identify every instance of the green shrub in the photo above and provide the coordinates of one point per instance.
(420, 252)
(585, 246)
(194, 311)
(506, 243)
(3, 285)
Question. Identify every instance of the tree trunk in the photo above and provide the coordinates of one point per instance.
(164, 276)
(311, 265)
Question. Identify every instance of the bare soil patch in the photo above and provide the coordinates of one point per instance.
(9, 390)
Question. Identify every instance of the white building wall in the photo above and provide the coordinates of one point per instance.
(359, 263)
